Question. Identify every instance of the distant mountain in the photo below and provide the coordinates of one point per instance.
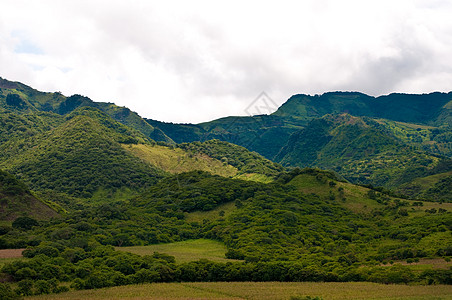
(265, 134)
(16, 200)
(359, 150)
(430, 109)
(15, 96)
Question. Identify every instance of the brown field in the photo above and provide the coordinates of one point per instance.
(435, 263)
(11, 253)
(261, 291)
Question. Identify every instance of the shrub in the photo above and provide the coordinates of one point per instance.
(25, 223)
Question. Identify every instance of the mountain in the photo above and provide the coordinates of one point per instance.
(388, 140)
(16, 200)
(359, 150)
(265, 134)
(430, 109)
(437, 187)
(81, 156)
(87, 154)
(15, 96)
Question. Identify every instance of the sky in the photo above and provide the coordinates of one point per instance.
(195, 61)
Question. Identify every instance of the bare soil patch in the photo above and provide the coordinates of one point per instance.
(11, 253)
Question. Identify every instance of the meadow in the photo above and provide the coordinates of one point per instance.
(190, 250)
(261, 291)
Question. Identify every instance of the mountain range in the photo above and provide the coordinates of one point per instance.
(391, 141)
(334, 187)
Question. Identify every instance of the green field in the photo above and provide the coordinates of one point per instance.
(185, 251)
(261, 291)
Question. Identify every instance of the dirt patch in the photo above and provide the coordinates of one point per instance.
(11, 253)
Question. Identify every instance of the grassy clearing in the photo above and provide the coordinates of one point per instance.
(185, 251)
(177, 160)
(427, 263)
(355, 196)
(255, 177)
(261, 291)
(211, 215)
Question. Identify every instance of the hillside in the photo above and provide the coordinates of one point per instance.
(18, 97)
(358, 150)
(437, 187)
(120, 188)
(430, 109)
(81, 156)
(16, 200)
(265, 134)
(308, 225)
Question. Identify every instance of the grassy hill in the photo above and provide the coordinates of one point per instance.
(437, 187)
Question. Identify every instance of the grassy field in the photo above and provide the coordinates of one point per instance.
(261, 291)
(178, 161)
(211, 215)
(185, 251)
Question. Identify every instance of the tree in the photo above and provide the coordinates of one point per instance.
(25, 223)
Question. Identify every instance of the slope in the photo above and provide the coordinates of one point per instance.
(360, 151)
(431, 109)
(15, 96)
(16, 200)
(82, 156)
(437, 187)
(265, 134)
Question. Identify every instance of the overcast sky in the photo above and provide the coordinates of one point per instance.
(194, 61)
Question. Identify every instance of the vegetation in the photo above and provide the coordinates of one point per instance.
(185, 251)
(104, 184)
(16, 200)
(354, 148)
(239, 157)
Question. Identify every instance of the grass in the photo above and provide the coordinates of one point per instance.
(190, 250)
(356, 196)
(177, 160)
(427, 263)
(261, 291)
(211, 215)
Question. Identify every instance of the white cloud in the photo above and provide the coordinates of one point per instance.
(192, 61)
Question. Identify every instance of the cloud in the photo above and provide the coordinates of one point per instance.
(195, 61)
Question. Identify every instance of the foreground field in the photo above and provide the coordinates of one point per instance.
(185, 251)
(260, 290)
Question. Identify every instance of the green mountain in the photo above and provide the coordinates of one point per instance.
(121, 188)
(267, 134)
(15, 96)
(16, 200)
(437, 187)
(80, 156)
(360, 151)
(87, 154)
(264, 134)
(431, 109)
